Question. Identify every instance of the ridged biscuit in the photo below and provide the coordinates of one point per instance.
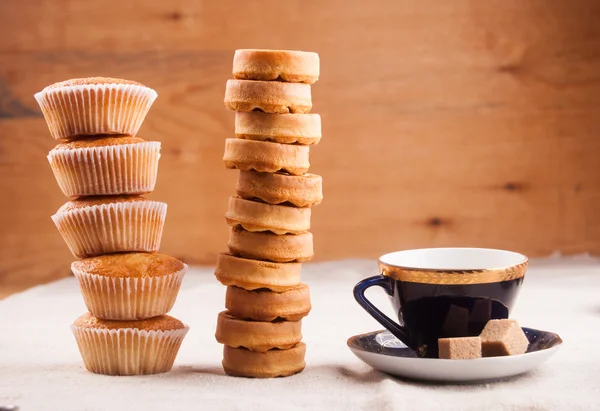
(253, 274)
(271, 247)
(240, 362)
(257, 335)
(264, 305)
(256, 216)
(279, 188)
(282, 65)
(281, 128)
(265, 156)
(268, 96)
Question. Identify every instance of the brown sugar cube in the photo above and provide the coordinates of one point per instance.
(462, 348)
(503, 337)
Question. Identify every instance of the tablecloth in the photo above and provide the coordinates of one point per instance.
(40, 367)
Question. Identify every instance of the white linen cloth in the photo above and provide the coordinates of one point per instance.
(40, 366)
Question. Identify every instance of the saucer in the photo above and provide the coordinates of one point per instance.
(384, 352)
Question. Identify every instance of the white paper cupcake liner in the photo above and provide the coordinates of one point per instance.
(128, 351)
(106, 170)
(112, 227)
(93, 109)
(129, 298)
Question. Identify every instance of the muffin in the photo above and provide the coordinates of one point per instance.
(129, 286)
(95, 106)
(108, 224)
(128, 347)
(105, 166)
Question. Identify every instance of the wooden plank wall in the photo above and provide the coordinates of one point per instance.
(462, 123)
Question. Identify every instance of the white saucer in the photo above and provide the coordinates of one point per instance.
(384, 352)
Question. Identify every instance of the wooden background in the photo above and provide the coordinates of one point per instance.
(469, 123)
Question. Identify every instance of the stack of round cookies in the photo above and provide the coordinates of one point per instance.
(114, 231)
(270, 216)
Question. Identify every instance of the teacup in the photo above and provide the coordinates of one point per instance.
(444, 292)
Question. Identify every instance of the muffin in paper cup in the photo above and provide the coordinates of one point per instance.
(129, 286)
(105, 166)
(128, 347)
(95, 106)
(109, 224)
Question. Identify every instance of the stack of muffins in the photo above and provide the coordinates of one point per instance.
(270, 216)
(111, 228)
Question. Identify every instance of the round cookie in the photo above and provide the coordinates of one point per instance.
(271, 247)
(282, 65)
(268, 96)
(256, 216)
(253, 274)
(265, 156)
(257, 335)
(264, 305)
(278, 188)
(240, 362)
(302, 129)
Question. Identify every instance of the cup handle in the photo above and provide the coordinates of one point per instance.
(359, 295)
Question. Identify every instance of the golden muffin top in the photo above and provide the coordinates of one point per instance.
(136, 265)
(91, 80)
(98, 142)
(162, 322)
(99, 200)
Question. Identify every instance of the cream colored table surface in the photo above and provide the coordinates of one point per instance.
(40, 368)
